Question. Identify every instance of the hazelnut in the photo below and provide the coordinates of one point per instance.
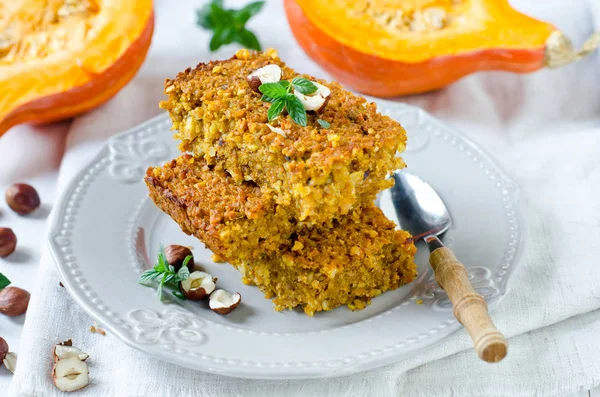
(70, 374)
(223, 302)
(3, 349)
(8, 242)
(176, 255)
(316, 101)
(65, 350)
(267, 74)
(199, 285)
(277, 130)
(22, 198)
(13, 301)
(10, 361)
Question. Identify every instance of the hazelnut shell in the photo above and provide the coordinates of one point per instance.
(323, 106)
(228, 309)
(8, 242)
(22, 198)
(176, 255)
(13, 301)
(254, 83)
(194, 294)
(198, 293)
(3, 349)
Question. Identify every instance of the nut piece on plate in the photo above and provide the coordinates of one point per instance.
(3, 349)
(8, 242)
(316, 101)
(267, 74)
(176, 255)
(70, 374)
(66, 349)
(22, 198)
(10, 361)
(199, 285)
(223, 302)
(13, 301)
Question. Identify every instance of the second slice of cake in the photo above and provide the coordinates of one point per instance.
(341, 262)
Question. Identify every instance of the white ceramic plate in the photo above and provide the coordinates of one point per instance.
(106, 231)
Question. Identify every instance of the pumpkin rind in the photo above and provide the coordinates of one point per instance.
(70, 82)
(390, 75)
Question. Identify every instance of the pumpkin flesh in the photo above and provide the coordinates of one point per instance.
(387, 48)
(60, 58)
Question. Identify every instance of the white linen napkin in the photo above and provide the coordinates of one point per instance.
(543, 128)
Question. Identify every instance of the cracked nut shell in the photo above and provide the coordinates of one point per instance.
(3, 349)
(198, 286)
(8, 242)
(267, 74)
(223, 302)
(13, 301)
(22, 198)
(317, 101)
(10, 361)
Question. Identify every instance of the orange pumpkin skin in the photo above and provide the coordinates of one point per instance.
(98, 88)
(380, 77)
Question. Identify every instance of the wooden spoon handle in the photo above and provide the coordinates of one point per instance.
(469, 307)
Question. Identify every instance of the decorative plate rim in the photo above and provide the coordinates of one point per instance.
(75, 288)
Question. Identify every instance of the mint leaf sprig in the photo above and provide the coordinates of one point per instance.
(4, 282)
(281, 96)
(323, 123)
(166, 274)
(229, 25)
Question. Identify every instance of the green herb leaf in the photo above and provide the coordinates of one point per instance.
(184, 272)
(276, 108)
(218, 39)
(179, 295)
(186, 261)
(265, 98)
(148, 276)
(160, 287)
(4, 282)
(304, 86)
(204, 16)
(166, 273)
(228, 25)
(281, 97)
(323, 123)
(295, 109)
(162, 264)
(167, 278)
(248, 11)
(273, 90)
(249, 40)
(285, 84)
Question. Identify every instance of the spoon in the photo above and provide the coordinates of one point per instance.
(421, 212)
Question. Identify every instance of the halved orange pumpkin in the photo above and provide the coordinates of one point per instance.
(396, 47)
(61, 58)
